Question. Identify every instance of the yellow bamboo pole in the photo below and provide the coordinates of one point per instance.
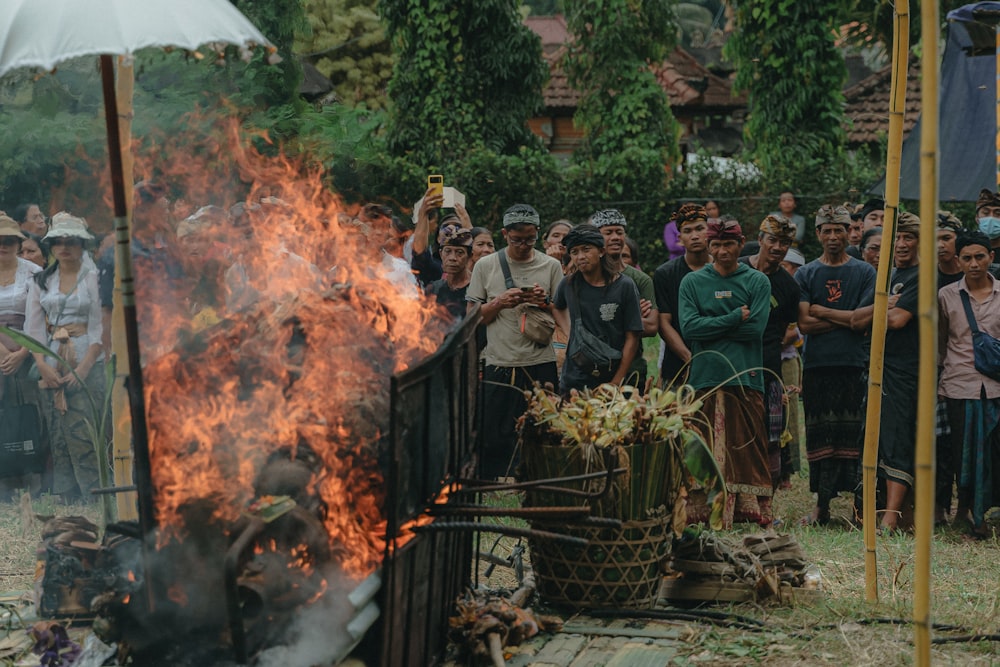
(897, 109)
(927, 308)
(121, 417)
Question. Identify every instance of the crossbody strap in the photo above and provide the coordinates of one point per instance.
(505, 267)
(968, 311)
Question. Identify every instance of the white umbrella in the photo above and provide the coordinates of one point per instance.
(43, 33)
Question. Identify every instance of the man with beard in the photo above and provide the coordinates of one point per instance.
(514, 362)
(612, 225)
(723, 313)
(833, 387)
(775, 238)
(455, 247)
(898, 417)
(692, 226)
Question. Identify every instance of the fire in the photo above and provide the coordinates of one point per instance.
(406, 530)
(303, 368)
(130, 576)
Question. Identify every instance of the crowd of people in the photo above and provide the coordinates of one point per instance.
(750, 324)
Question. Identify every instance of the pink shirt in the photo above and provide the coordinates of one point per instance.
(959, 377)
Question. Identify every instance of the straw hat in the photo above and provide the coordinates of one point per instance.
(10, 228)
(66, 225)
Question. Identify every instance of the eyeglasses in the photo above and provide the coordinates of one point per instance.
(66, 241)
(513, 240)
(9, 240)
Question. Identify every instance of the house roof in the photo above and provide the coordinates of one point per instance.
(686, 82)
(552, 30)
(867, 104)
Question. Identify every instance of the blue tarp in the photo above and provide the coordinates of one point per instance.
(967, 104)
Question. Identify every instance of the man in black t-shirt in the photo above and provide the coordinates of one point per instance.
(898, 417)
(692, 225)
(455, 247)
(775, 238)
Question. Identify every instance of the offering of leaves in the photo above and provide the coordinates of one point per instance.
(656, 436)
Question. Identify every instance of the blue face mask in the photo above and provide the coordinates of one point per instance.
(990, 226)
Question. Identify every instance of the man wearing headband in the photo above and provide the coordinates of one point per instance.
(612, 226)
(602, 301)
(948, 229)
(775, 237)
(514, 362)
(455, 248)
(692, 225)
(898, 418)
(723, 313)
(988, 215)
(833, 387)
(872, 214)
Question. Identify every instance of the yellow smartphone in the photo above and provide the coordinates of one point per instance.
(435, 182)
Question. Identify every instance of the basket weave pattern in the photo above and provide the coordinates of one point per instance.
(618, 568)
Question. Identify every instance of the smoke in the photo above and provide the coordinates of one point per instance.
(326, 631)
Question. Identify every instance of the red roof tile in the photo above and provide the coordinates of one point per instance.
(867, 104)
(686, 81)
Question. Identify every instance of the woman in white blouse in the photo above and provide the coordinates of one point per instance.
(64, 310)
(16, 388)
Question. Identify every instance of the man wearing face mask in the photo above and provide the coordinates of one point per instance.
(988, 215)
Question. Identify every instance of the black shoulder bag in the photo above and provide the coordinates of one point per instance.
(985, 348)
(591, 355)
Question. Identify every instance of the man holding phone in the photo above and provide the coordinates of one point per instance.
(514, 362)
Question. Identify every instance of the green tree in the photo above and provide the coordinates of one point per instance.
(631, 134)
(787, 59)
(347, 43)
(467, 74)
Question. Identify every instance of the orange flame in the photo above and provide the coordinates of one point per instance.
(406, 530)
(311, 329)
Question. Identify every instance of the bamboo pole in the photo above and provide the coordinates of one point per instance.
(927, 309)
(123, 267)
(897, 109)
(120, 419)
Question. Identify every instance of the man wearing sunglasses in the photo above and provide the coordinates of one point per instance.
(514, 362)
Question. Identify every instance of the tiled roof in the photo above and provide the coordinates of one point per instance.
(868, 104)
(686, 81)
(552, 30)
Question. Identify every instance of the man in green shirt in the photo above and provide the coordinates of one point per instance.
(724, 308)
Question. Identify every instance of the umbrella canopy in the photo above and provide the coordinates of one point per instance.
(43, 33)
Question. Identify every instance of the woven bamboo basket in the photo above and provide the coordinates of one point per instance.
(619, 568)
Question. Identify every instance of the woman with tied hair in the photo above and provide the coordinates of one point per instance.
(603, 302)
(64, 311)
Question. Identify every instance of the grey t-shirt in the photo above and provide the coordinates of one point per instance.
(607, 312)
